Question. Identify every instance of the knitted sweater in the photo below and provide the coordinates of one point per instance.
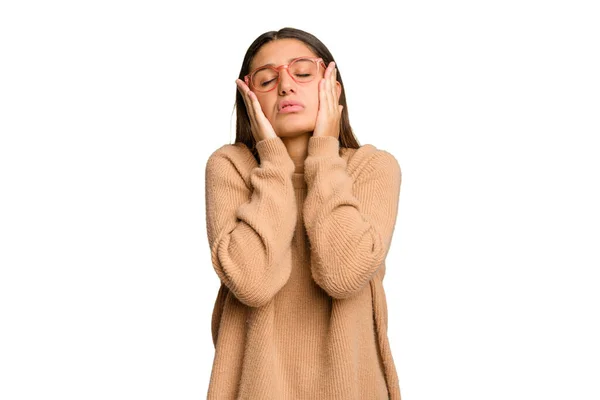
(301, 311)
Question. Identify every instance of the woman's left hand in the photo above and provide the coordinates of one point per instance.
(330, 112)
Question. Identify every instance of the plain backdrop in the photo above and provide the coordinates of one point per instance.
(109, 111)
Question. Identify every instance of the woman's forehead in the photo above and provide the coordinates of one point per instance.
(280, 51)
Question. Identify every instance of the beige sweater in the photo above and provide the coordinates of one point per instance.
(301, 312)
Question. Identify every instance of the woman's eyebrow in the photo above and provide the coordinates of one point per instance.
(272, 64)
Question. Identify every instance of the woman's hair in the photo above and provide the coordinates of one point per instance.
(243, 130)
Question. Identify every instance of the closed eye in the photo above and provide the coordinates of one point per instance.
(267, 82)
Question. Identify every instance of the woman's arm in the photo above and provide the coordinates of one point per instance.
(349, 222)
(250, 229)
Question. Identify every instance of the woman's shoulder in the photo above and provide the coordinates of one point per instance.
(236, 153)
(229, 161)
(368, 157)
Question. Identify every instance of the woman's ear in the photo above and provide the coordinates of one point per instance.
(339, 90)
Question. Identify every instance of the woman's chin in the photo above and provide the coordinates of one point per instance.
(289, 131)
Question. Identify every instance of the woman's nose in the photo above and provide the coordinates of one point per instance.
(286, 83)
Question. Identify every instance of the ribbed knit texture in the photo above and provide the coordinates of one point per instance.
(301, 312)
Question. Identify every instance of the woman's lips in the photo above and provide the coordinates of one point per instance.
(290, 109)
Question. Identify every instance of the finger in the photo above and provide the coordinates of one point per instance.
(249, 102)
(259, 116)
(255, 104)
(333, 86)
(322, 95)
(241, 85)
(323, 89)
(332, 105)
(335, 89)
(329, 85)
(245, 91)
(331, 89)
(334, 80)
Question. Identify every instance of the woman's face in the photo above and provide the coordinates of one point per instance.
(279, 52)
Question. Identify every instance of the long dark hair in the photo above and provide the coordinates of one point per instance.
(243, 130)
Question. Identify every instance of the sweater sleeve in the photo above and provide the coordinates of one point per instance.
(349, 222)
(250, 229)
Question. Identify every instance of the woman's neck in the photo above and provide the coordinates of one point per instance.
(297, 147)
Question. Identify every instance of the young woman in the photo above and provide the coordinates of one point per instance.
(299, 219)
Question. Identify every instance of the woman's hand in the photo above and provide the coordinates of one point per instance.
(259, 124)
(330, 112)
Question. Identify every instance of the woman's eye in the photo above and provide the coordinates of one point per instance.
(266, 83)
(303, 75)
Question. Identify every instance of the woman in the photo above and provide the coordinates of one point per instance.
(299, 220)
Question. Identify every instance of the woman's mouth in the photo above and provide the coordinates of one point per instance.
(290, 109)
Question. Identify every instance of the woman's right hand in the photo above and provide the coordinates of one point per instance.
(260, 125)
